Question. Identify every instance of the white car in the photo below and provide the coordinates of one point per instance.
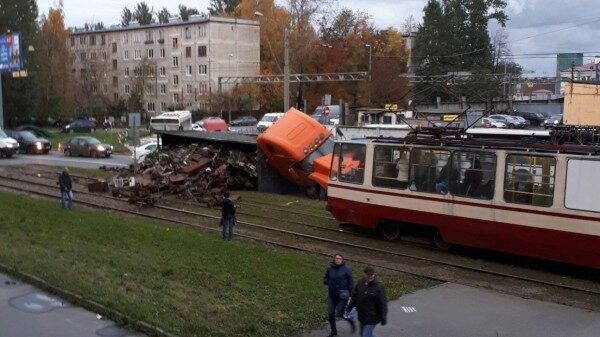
(8, 145)
(491, 123)
(143, 150)
(268, 120)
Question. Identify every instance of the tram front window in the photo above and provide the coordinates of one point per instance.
(352, 163)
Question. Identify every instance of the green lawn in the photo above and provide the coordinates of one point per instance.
(184, 281)
(109, 136)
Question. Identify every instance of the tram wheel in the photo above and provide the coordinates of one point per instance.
(438, 241)
(389, 230)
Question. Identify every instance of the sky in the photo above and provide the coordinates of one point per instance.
(535, 26)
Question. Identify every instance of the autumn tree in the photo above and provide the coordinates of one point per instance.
(55, 64)
(141, 83)
(163, 15)
(186, 12)
(126, 17)
(143, 14)
(220, 7)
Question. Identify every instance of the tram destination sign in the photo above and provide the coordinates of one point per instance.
(11, 52)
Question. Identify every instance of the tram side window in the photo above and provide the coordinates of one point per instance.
(529, 180)
(390, 167)
(474, 174)
(582, 185)
(430, 170)
(335, 162)
(352, 163)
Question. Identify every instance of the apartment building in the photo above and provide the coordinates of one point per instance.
(172, 65)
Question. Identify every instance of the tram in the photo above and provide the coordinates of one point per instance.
(528, 197)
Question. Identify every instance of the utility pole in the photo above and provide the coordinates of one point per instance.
(230, 91)
(370, 87)
(286, 70)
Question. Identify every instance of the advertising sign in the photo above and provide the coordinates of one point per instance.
(11, 52)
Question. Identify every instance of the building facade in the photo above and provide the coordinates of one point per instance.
(167, 66)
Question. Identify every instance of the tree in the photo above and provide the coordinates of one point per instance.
(220, 7)
(185, 12)
(57, 91)
(142, 80)
(143, 14)
(163, 15)
(126, 17)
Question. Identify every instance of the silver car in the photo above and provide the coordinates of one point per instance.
(510, 121)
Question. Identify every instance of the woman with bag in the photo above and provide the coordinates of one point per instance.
(339, 282)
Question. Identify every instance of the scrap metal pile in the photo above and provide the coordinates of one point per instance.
(195, 172)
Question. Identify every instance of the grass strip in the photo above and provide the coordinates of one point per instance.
(183, 281)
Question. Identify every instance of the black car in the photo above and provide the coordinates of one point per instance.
(36, 130)
(29, 143)
(244, 121)
(535, 118)
(85, 146)
(80, 125)
(553, 121)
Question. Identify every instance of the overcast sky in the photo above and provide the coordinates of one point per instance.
(535, 26)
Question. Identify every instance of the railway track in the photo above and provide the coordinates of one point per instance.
(367, 251)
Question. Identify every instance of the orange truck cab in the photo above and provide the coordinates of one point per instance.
(298, 148)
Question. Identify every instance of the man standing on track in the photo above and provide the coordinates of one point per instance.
(338, 279)
(66, 189)
(369, 299)
(227, 216)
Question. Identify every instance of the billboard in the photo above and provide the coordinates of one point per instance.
(11, 52)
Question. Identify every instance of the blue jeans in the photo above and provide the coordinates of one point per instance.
(68, 196)
(335, 308)
(227, 224)
(367, 330)
(442, 187)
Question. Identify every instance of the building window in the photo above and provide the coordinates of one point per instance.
(473, 174)
(93, 55)
(352, 170)
(161, 35)
(114, 47)
(391, 166)
(202, 69)
(82, 56)
(114, 64)
(137, 54)
(127, 88)
(175, 79)
(162, 53)
(163, 106)
(430, 170)
(203, 87)
(136, 38)
(176, 98)
(162, 71)
(163, 88)
(175, 43)
(202, 31)
(188, 71)
(201, 51)
(104, 88)
(126, 72)
(529, 180)
(149, 36)
(188, 33)
(115, 81)
(188, 52)
(104, 56)
(116, 96)
(92, 40)
(82, 40)
(126, 55)
(150, 106)
(103, 39)
(72, 41)
(175, 61)
(188, 88)
(150, 53)
(125, 38)
(149, 89)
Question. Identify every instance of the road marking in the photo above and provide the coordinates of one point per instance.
(409, 309)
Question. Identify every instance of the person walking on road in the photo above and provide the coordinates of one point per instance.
(227, 216)
(66, 189)
(339, 282)
(368, 296)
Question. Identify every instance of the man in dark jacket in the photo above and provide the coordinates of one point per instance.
(369, 299)
(227, 216)
(66, 189)
(338, 279)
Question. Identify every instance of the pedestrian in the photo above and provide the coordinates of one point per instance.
(66, 189)
(368, 296)
(339, 282)
(227, 216)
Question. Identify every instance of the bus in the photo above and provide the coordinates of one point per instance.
(172, 121)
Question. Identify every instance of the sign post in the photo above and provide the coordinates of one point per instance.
(134, 123)
(11, 59)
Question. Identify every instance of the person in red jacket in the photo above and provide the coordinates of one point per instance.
(368, 296)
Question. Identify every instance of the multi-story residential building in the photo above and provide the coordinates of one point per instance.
(172, 65)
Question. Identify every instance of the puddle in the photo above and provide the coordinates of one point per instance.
(6, 282)
(36, 303)
(112, 331)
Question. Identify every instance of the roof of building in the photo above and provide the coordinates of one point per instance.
(192, 20)
(585, 67)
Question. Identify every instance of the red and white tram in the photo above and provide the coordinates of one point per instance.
(532, 199)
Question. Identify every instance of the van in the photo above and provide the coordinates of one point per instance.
(268, 120)
(172, 121)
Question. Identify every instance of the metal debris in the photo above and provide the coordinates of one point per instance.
(196, 172)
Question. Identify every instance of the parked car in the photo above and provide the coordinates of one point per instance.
(267, 120)
(143, 150)
(211, 124)
(553, 121)
(525, 122)
(80, 125)
(8, 145)
(534, 118)
(36, 130)
(491, 123)
(85, 146)
(29, 143)
(510, 121)
(244, 121)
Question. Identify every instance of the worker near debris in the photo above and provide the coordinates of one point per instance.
(368, 296)
(66, 189)
(227, 216)
(339, 281)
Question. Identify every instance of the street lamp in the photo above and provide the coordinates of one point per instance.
(230, 57)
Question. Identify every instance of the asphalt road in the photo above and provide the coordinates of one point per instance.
(58, 159)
